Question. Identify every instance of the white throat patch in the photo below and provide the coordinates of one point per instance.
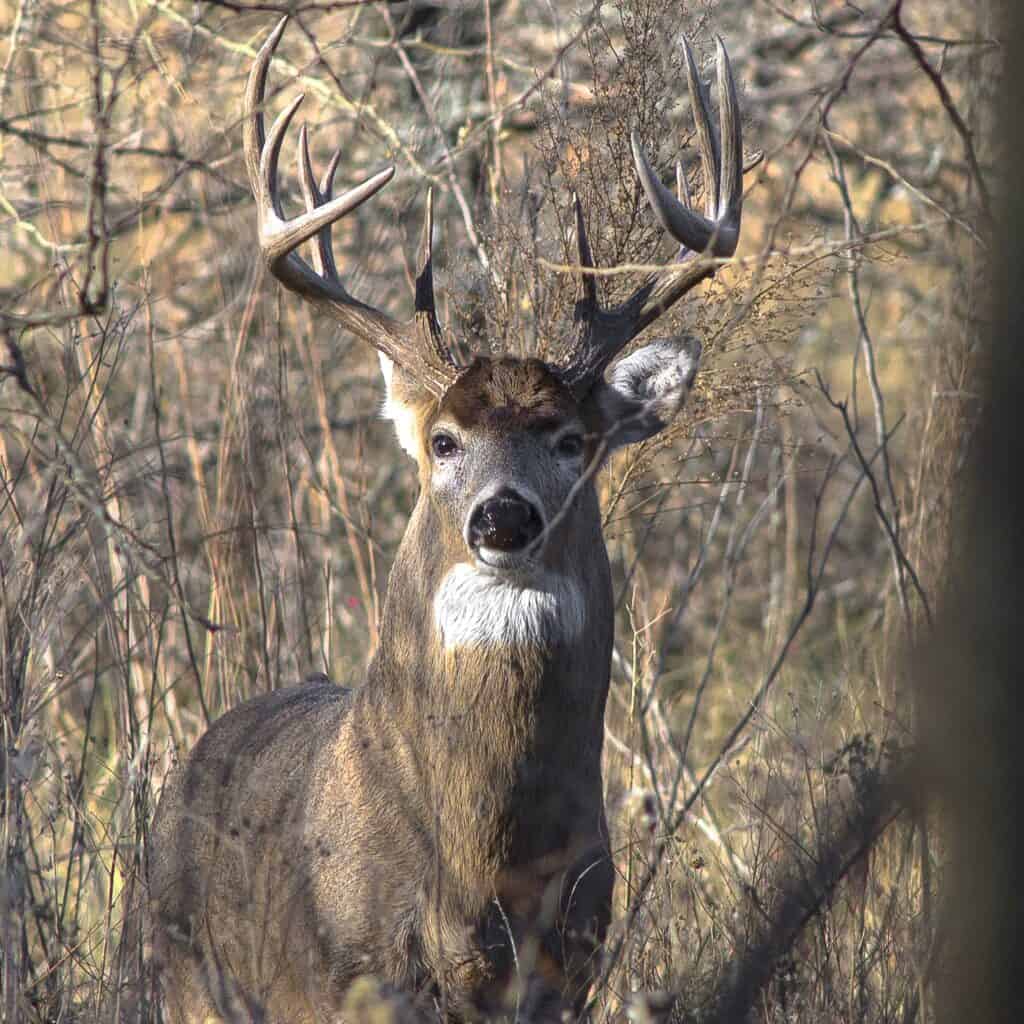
(479, 609)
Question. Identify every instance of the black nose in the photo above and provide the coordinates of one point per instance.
(504, 522)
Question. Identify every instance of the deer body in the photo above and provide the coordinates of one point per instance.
(441, 826)
(452, 799)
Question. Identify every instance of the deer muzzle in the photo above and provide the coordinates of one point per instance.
(505, 523)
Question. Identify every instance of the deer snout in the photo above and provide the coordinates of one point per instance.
(505, 521)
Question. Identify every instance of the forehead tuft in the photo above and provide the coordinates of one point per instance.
(524, 391)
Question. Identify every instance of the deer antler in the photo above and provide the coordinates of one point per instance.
(601, 334)
(418, 345)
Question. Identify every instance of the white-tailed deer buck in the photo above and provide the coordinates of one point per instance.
(441, 826)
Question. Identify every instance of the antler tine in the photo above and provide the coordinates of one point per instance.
(253, 136)
(730, 192)
(327, 181)
(588, 283)
(272, 153)
(425, 275)
(602, 334)
(430, 331)
(682, 185)
(686, 226)
(323, 253)
(416, 346)
(707, 137)
(326, 194)
(313, 197)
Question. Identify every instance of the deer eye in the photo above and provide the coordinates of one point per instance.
(444, 445)
(570, 446)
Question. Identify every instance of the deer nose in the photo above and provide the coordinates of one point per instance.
(504, 522)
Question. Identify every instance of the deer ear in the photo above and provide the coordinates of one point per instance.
(401, 404)
(646, 390)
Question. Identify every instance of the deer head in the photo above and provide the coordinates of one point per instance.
(506, 447)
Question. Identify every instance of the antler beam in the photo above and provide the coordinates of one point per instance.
(418, 345)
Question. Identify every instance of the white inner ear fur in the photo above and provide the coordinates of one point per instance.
(479, 609)
(393, 409)
(661, 372)
(647, 389)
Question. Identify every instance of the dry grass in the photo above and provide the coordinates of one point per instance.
(199, 502)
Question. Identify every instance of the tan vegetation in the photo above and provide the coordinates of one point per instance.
(200, 503)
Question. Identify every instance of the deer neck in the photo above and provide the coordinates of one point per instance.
(500, 684)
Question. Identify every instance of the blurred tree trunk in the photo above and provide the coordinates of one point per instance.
(969, 677)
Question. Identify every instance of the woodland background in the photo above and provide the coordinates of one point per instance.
(199, 501)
